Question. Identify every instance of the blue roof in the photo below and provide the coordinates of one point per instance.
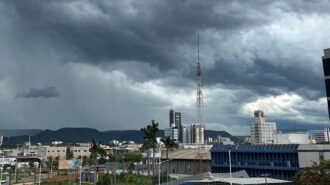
(255, 148)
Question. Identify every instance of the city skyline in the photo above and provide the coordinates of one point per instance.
(118, 65)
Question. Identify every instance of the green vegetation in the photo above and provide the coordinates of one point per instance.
(169, 144)
(97, 151)
(130, 158)
(128, 179)
(317, 175)
(66, 182)
(69, 154)
(150, 134)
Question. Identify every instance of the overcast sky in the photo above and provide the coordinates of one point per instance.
(118, 64)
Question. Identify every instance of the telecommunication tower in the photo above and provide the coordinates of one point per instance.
(199, 103)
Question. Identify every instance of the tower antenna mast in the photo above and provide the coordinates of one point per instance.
(199, 103)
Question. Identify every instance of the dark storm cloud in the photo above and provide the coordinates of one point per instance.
(48, 92)
(127, 54)
(264, 77)
(146, 31)
(155, 32)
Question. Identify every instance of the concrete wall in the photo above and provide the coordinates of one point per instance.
(312, 153)
(185, 166)
(307, 159)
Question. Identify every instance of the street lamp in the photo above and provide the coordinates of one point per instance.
(160, 155)
(16, 170)
(230, 175)
(265, 175)
(167, 169)
(1, 166)
(40, 170)
(80, 166)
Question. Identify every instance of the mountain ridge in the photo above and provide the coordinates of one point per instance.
(76, 135)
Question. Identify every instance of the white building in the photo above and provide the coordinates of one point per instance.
(1, 140)
(223, 140)
(175, 134)
(57, 142)
(291, 138)
(322, 135)
(80, 151)
(30, 151)
(52, 151)
(261, 131)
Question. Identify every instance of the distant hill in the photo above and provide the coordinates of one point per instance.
(76, 135)
(19, 132)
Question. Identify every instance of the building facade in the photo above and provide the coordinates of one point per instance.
(171, 118)
(186, 161)
(279, 161)
(326, 69)
(80, 151)
(168, 132)
(291, 138)
(261, 131)
(178, 125)
(175, 134)
(322, 135)
(52, 151)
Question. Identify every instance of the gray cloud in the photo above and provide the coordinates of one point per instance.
(153, 32)
(159, 33)
(110, 59)
(48, 92)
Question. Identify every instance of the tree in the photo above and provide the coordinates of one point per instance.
(146, 148)
(313, 175)
(69, 154)
(169, 145)
(131, 158)
(104, 179)
(96, 151)
(150, 134)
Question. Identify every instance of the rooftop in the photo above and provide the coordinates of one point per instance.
(187, 154)
(245, 181)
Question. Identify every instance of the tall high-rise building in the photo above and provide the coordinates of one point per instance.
(261, 131)
(171, 117)
(326, 69)
(178, 125)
